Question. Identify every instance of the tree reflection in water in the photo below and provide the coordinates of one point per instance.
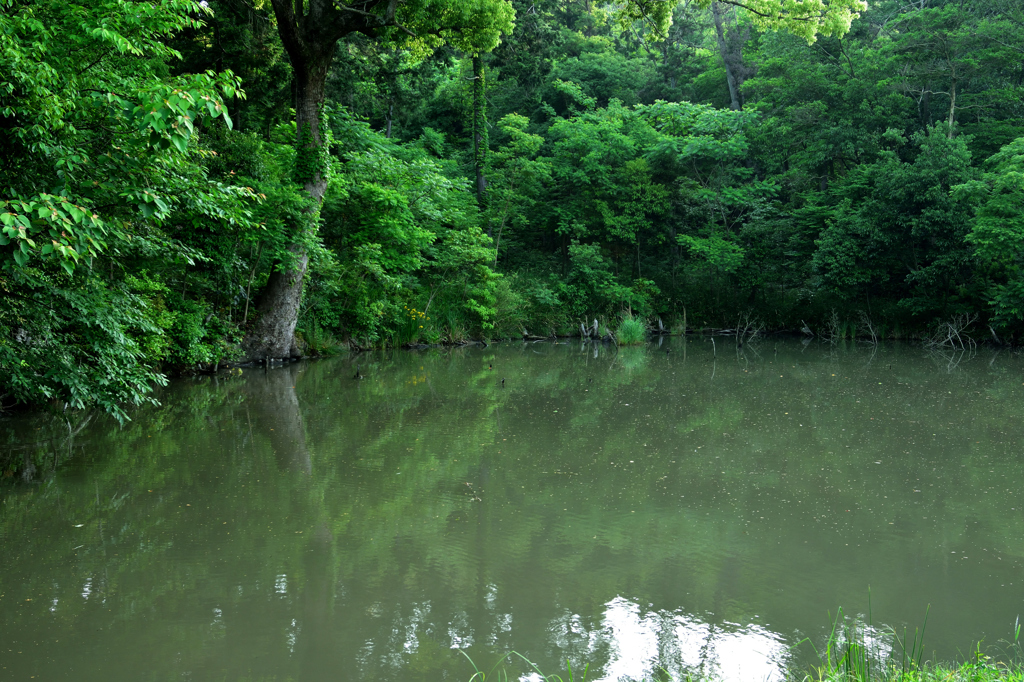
(617, 509)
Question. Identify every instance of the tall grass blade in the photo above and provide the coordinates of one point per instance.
(536, 669)
(481, 675)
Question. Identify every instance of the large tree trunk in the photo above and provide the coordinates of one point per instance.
(273, 334)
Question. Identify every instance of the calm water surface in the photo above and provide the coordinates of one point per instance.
(634, 509)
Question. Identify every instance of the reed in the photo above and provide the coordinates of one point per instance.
(854, 651)
(631, 332)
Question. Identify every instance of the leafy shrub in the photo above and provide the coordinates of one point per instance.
(510, 307)
(198, 336)
(318, 340)
(76, 341)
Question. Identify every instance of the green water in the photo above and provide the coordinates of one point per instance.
(633, 509)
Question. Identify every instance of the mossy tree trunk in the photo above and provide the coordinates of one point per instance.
(310, 30)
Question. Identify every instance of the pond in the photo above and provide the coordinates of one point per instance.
(679, 507)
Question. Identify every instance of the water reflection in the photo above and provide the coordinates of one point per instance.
(627, 642)
(643, 644)
(686, 506)
(273, 407)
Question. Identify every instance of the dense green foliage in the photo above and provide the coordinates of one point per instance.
(643, 159)
(99, 176)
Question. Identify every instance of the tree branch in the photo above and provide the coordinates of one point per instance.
(777, 15)
(386, 21)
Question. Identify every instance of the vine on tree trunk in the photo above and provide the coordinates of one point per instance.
(313, 161)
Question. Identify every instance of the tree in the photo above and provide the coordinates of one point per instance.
(99, 152)
(730, 46)
(517, 177)
(998, 231)
(310, 32)
(939, 50)
(899, 229)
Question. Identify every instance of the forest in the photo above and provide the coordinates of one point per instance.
(190, 185)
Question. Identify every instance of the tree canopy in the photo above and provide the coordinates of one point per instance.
(804, 18)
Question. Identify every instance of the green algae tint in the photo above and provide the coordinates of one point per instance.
(633, 509)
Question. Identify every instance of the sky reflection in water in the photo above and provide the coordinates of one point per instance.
(683, 644)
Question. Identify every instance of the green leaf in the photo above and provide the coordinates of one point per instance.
(180, 142)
